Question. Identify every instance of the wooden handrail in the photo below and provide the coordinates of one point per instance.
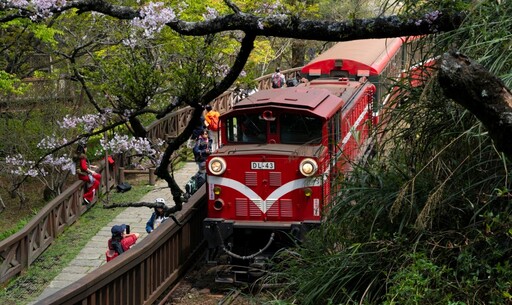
(174, 123)
(140, 275)
(150, 172)
(20, 250)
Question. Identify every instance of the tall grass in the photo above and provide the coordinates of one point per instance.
(428, 220)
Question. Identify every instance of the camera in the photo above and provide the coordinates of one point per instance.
(127, 229)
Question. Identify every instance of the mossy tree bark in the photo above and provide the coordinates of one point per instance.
(472, 86)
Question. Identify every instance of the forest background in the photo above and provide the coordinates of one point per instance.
(427, 221)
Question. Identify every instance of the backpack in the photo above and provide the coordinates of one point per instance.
(117, 246)
(123, 187)
(277, 81)
(195, 183)
(113, 253)
(214, 125)
(191, 187)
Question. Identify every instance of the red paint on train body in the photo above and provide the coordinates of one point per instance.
(283, 151)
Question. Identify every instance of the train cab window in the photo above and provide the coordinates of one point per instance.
(300, 129)
(247, 128)
(339, 73)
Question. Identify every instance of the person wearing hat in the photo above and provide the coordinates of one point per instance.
(121, 241)
(157, 217)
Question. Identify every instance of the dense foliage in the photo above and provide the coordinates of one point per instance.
(428, 220)
(123, 74)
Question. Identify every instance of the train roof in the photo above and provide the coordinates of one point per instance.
(322, 102)
(359, 57)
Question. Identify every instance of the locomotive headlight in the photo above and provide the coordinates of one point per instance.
(308, 167)
(217, 166)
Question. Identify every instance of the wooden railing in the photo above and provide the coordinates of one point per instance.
(18, 251)
(143, 273)
(174, 123)
(150, 172)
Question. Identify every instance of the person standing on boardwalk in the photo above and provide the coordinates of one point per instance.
(196, 133)
(202, 149)
(278, 79)
(86, 174)
(211, 121)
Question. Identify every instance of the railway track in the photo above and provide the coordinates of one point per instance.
(198, 287)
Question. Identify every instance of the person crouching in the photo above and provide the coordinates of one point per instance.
(121, 241)
(157, 217)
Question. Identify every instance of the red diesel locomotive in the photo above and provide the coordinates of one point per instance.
(281, 151)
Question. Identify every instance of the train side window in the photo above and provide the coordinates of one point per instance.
(334, 135)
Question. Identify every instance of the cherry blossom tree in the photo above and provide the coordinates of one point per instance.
(247, 22)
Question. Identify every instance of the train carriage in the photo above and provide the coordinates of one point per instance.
(282, 152)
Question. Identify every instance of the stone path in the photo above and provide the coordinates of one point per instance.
(93, 254)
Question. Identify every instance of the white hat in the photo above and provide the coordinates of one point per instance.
(160, 200)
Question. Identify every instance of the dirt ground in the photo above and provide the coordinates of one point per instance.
(199, 288)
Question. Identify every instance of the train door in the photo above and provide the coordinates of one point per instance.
(335, 152)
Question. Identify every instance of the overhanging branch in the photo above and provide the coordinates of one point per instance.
(472, 86)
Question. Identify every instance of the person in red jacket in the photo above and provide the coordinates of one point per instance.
(86, 174)
(122, 240)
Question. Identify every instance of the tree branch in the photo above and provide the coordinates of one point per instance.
(472, 86)
(276, 26)
(246, 47)
(288, 27)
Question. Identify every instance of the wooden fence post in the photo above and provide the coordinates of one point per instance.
(152, 178)
(121, 175)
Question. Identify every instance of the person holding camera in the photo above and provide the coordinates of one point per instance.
(121, 241)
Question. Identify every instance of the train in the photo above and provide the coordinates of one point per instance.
(283, 153)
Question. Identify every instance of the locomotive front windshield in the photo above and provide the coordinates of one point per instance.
(285, 128)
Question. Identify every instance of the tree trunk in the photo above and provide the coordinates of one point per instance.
(298, 53)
